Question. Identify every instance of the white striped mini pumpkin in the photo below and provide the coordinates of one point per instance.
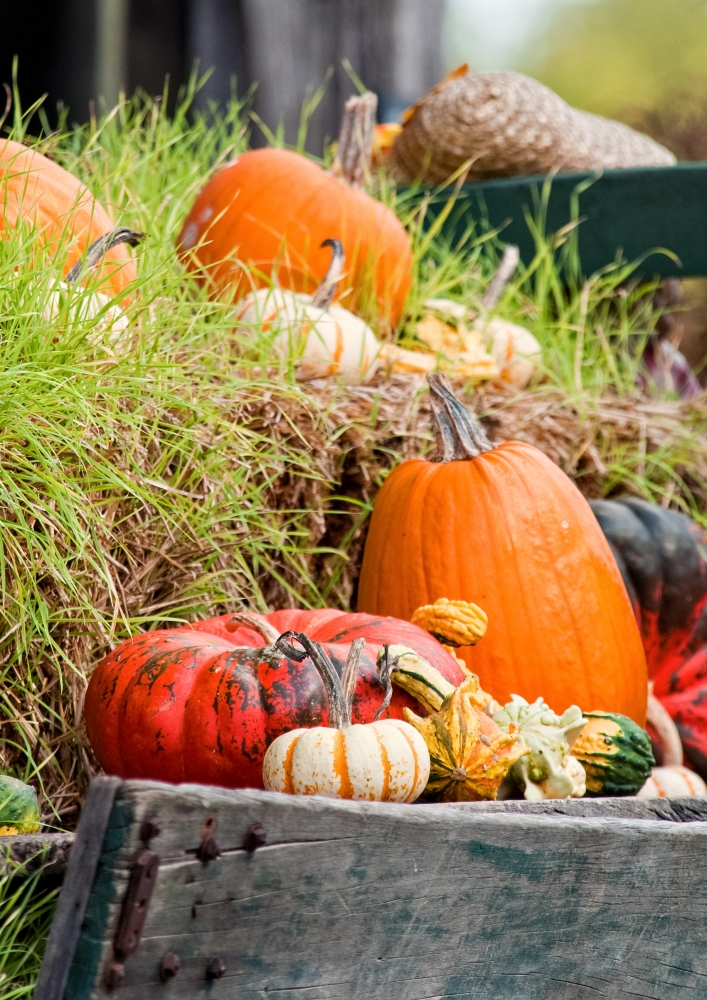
(385, 761)
(672, 783)
(323, 339)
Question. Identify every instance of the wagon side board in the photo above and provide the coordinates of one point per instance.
(384, 902)
(655, 216)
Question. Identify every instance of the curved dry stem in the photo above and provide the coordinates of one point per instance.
(339, 711)
(263, 628)
(350, 673)
(98, 249)
(385, 666)
(323, 296)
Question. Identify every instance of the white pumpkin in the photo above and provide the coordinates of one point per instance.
(514, 349)
(385, 761)
(322, 341)
(672, 783)
(322, 338)
(84, 306)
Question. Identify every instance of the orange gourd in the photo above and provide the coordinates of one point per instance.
(504, 527)
(39, 192)
(272, 209)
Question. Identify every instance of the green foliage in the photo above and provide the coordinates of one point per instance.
(26, 909)
(610, 56)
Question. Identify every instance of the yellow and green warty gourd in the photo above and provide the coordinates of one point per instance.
(615, 753)
(19, 810)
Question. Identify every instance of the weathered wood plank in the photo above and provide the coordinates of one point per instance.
(402, 902)
(25, 853)
(687, 810)
(85, 855)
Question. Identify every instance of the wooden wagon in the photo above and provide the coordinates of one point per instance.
(188, 891)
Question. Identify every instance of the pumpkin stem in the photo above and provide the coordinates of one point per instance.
(506, 270)
(330, 282)
(385, 665)
(263, 628)
(350, 672)
(339, 710)
(355, 147)
(97, 251)
(458, 433)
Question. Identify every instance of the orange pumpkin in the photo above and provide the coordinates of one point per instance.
(272, 209)
(504, 527)
(39, 192)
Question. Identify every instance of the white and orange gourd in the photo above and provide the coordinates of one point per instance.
(322, 339)
(384, 761)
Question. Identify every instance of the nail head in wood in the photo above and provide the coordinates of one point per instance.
(254, 838)
(208, 850)
(115, 973)
(216, 968)
(169, 966)
(150, 827)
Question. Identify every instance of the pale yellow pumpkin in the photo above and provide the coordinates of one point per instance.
(384, 761)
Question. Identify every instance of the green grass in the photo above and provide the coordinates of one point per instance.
(178, 470)
(26, 909)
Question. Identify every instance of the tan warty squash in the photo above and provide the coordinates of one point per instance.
(469, 754)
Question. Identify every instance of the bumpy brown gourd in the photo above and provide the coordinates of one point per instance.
(509, 125)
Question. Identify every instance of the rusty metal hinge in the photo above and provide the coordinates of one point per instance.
(143, 876)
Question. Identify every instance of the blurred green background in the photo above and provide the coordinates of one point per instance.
(641, 61)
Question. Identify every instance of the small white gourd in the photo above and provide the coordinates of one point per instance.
(549, 771)
(384, 761)
(323, 339)
(514, 349)
(672, 783)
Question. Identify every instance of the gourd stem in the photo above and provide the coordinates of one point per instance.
(419, 678)
(323, 296)
(339, 712)
(355, 147)
(350, 673)
(263, 628)
(97, 251)
(506, 270)
(458, 433)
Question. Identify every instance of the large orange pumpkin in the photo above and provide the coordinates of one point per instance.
(272, 209)
(505, 528)
(39, 192)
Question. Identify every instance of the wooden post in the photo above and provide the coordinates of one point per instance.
(111, 49)
(393, 45)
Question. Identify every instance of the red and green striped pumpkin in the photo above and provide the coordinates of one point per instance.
(203, 702)
(662, 556)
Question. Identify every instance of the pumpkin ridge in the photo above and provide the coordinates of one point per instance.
(341, 764)
(385, 761)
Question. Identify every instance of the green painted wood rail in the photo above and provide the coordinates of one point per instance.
(631, 211)
(260, 895)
